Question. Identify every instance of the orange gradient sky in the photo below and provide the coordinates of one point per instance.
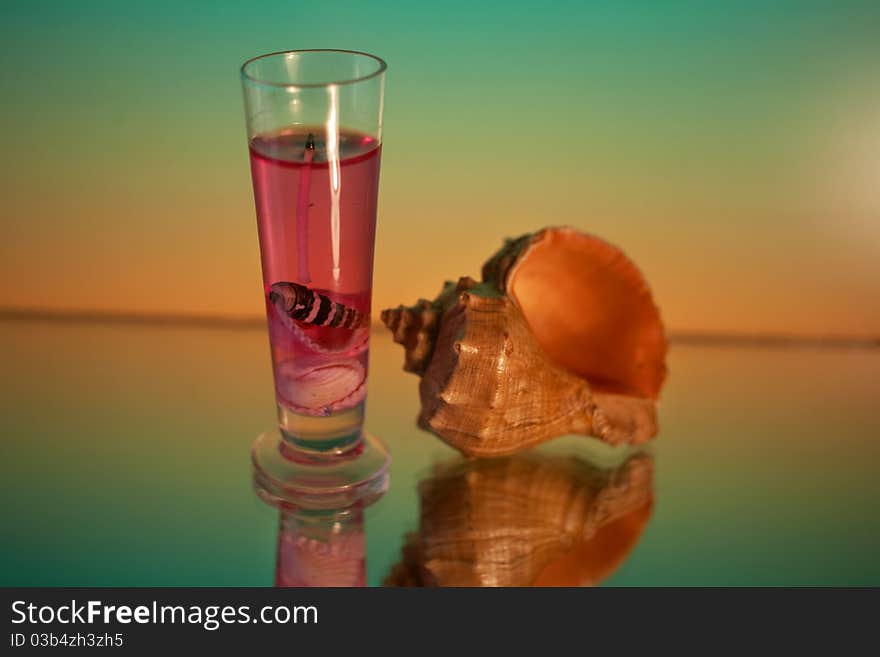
(733, 154)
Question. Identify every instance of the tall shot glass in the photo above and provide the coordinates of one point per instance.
(314, 125)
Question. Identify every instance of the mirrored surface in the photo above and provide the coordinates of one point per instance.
(125, 462)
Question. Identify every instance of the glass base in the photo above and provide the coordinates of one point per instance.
(295, 479)
(334, 433)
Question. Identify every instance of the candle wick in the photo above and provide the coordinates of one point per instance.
(302, 212)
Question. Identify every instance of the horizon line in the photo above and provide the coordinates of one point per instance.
(251, 322)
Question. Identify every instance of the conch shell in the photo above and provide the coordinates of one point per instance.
(526, 520)
(561, 336)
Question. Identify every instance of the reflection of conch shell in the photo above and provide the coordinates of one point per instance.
(562, 336)
(526, 520)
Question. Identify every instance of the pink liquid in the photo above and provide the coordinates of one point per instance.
(316, 214)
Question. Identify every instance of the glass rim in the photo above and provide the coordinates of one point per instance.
(311, 85)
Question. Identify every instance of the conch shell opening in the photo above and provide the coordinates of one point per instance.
(561, 336)
(588, 306)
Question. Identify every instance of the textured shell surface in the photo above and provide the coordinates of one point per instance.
(561, 336)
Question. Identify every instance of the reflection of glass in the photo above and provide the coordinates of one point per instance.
(314, 123)
(321, 549)
(526, 520)
(318, 544)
